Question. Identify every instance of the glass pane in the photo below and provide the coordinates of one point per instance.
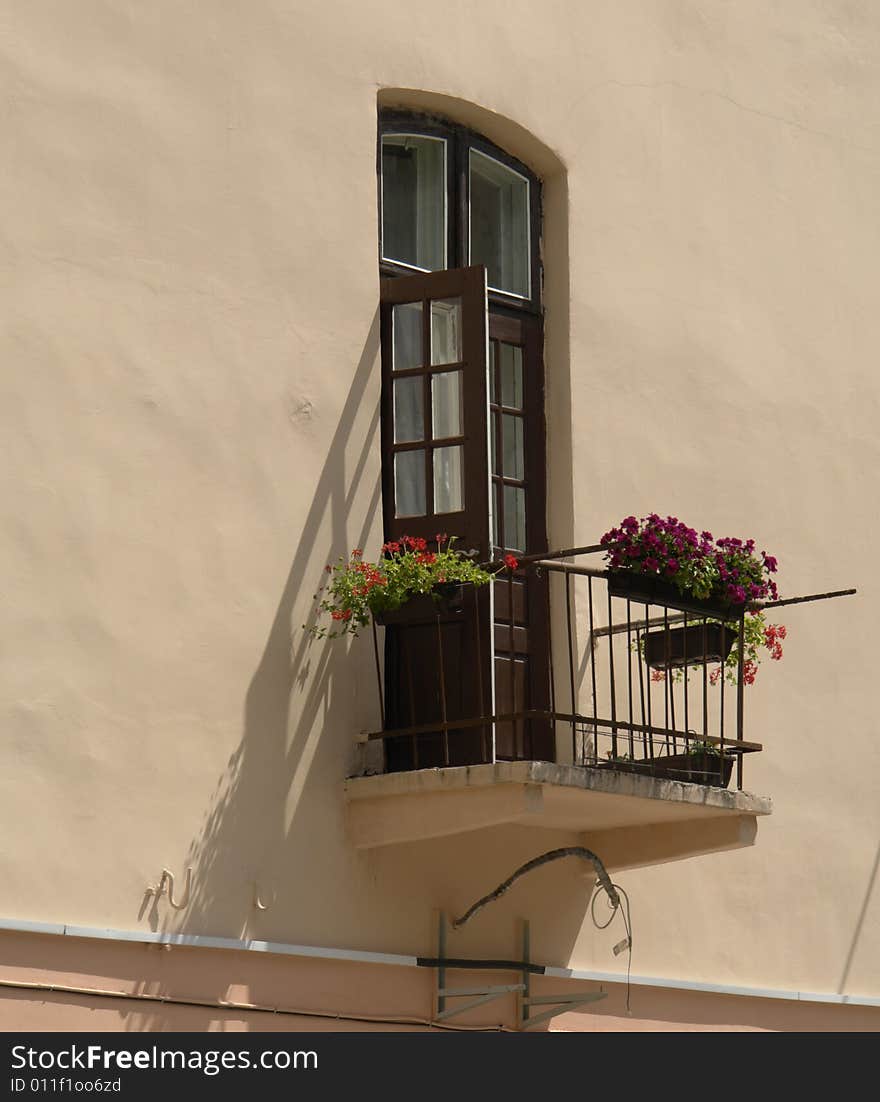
(407, 336)
(492, 397)
(496, 515)
(499, 224)
(514, 518)
(446, 404)
(409, 484)
(510, 356)
(446, 331)
(414, 200)
(494, 456)
(514, 464)
(448, 480)
(409, 414)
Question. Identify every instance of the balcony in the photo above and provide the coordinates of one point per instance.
(563, 701)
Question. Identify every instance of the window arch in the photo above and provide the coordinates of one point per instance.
(450, 198)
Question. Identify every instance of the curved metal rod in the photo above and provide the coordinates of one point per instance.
(544, 859)
(168, 876)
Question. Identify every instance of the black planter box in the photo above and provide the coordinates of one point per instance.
(708, 769)
(652, 589)
(690, 646)
(446, 600)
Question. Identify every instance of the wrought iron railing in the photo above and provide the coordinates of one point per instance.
(635, 683)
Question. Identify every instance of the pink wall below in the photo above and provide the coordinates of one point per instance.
(121, 981)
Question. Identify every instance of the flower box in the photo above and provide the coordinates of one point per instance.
(423, 608)
(696, 644)
(709, 769)
(652, 589)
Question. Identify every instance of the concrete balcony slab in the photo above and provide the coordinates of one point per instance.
(640, 819)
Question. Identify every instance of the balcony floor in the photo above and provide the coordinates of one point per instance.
(637, 819)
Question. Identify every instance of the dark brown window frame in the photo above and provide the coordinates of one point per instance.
(460, 140)
(515, 625)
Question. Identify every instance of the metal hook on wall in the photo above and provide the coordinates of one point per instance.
(258, 901)
(167, 884)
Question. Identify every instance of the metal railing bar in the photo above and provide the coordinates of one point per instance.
(572, 701)
(740, 690)
(650, 718)
(685, 679)
(445, 727)
(562, 717)
(629, 676)
(756, 606)
(378, 674)
(595, 701)
(568, 568)
(613, 693)
(479, 658)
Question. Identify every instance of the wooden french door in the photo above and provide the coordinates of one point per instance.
(435, 474)
(518, 463)
(463, 455)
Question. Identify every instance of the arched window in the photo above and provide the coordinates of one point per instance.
(449, 198)
(463, 406)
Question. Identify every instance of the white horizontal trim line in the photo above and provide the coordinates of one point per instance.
(360, 956)
(201, 941)
(714, 988)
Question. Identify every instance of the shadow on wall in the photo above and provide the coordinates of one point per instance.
(295, 689)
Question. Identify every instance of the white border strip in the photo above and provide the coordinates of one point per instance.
(714, 988)
(200, 941)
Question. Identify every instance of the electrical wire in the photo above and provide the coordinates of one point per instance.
(536, 862)
(618, 900)
(627, 923)
(225, 1005)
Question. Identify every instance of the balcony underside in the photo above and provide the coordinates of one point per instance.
(629, 819)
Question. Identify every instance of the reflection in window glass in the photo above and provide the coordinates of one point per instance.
(496, 515)
(446, 404)
(514, 518)
(409, 484)
(499, 224)
(409, 416)
(414, 200)
(407, 336)
(496, 467)
(448, 480)
(512, 431)
(510, 356)
(446, 331)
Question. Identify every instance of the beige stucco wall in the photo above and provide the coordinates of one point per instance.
(189, 404)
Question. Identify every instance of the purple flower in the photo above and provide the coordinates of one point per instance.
(672, 566)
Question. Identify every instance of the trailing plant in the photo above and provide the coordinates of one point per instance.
(357, 589)
(700, 566)
(698, 748)
(758, 637)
